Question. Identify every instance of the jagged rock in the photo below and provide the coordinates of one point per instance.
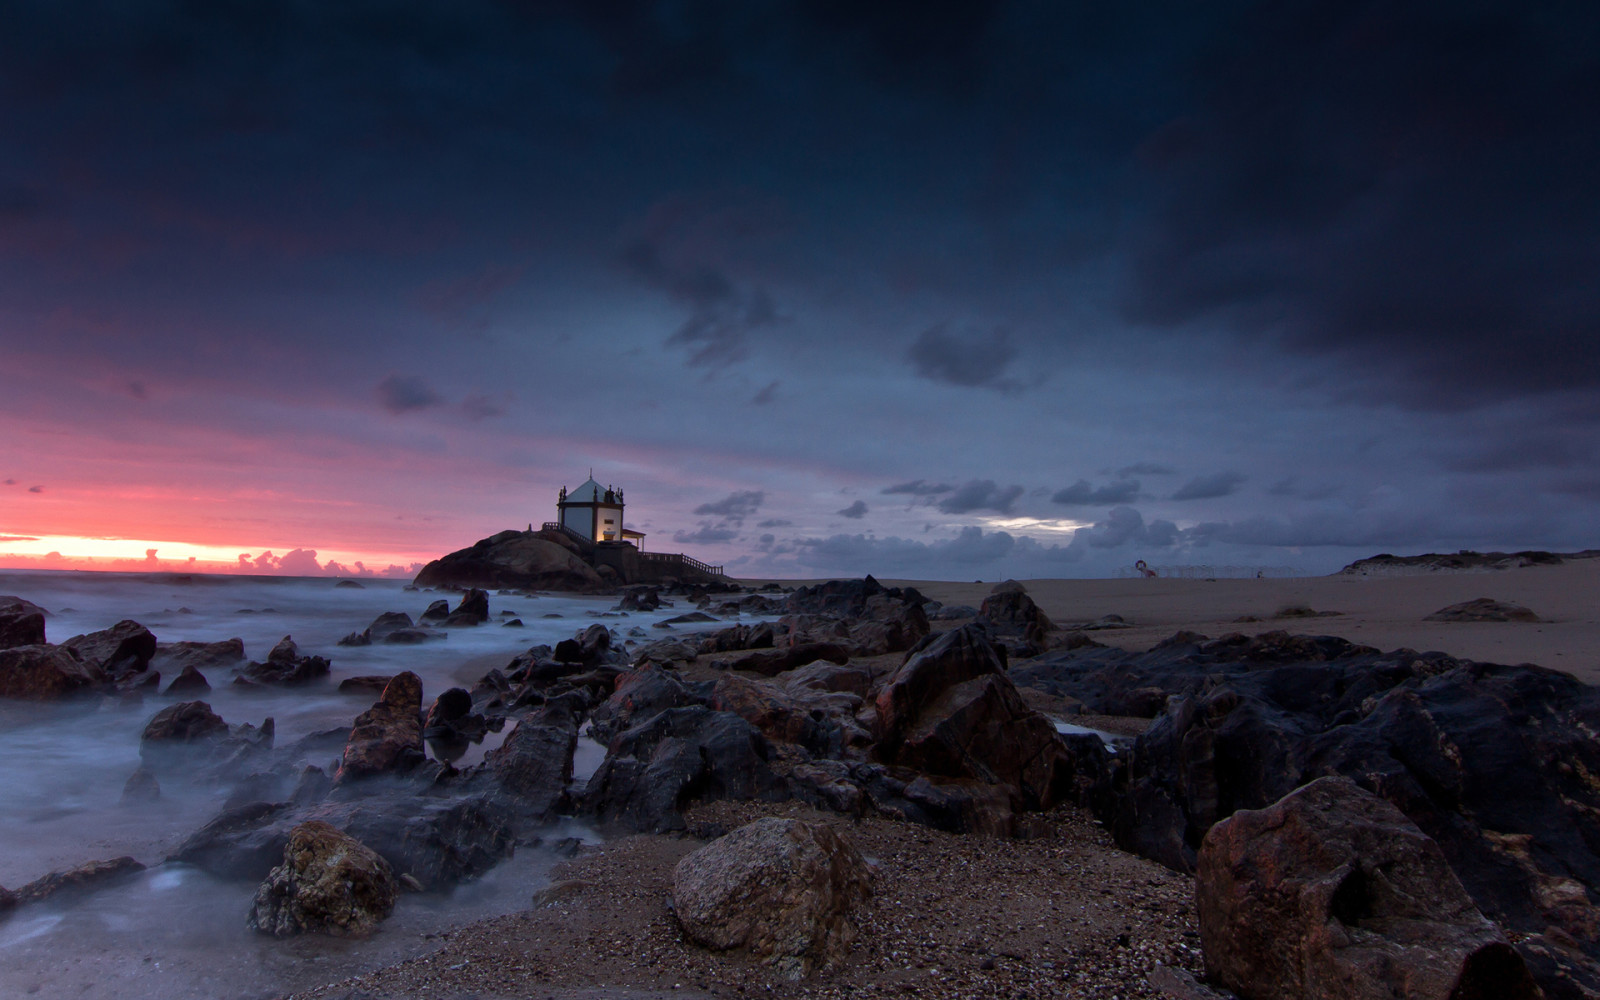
(638, 695)
(190, 681)
(84, 877)
(1011, 615)
(21, 623)
(526, 560)
(183, 724)
(951, 710)
(1483, 609)
(783, 890)
(890, 626)
(329, 883)
(473, 610)
(387, 736)
(1332, 894)
(657, 767)
(641, 598)
(665, 651)
(825, 676)
(761, 635)
(822, 722)
(845, 598)
(534, 764)
(285, 667)
(45, 672)
(1492, 762)
(124, 648)
(959, 805)
(365, 684)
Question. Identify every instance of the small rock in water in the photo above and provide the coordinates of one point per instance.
(141, 787)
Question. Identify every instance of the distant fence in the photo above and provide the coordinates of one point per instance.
(1213, 572)
(679, 559)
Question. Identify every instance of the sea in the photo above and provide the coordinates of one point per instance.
(174, 931)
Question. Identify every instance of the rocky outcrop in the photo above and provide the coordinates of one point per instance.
(1483, 609)
(821, 721)
(1332, 894)
(329, 883)
(123, 649)
(846, 598)
(387, 736)
(473, 610)
(950, 710)
(529, 560)
(1492, 762)
(655, 769)
(640, 694)
(21, 623)
(183, 724)
(190, 681)
(533, 767)
(285, 667)
(45, 672)
(782, 890)
(393, 627)
(82, 878)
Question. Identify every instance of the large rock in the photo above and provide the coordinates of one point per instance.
(44, 672)
(821, 721)
(387, 736)
(1010, 614)
(640, 694)
(1493, 762)
(285, 667)
(183, 724)
(783, 890)
(513, 559)
(534, 765)
(329, 883)
(655, 769)
(124, 648)
(21, 623)
(950, 710)
(845, 598)
(1332, 894)
(473, 610)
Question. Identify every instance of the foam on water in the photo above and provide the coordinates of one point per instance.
(175, 931)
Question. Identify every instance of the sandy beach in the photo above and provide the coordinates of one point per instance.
(1062, 913)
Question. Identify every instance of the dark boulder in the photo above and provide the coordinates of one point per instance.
(185, 723)
(771, 662)
(45, 672)
(124, 648)
(639, 694)
(190, 681)
(822, 722)
(387, 736)
(845, 598)
(1331, 893)
(285, 667)
(642, 598)
(21, 623)
(473, 610)
(533, 767)
(950, 710)
(1011, 615)
(365, 684)
(437, 611)
(658, 767)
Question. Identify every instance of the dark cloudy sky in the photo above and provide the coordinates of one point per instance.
(959, 291)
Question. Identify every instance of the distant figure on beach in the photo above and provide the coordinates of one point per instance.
(1144, 570)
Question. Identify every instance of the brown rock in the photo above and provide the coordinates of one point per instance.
(43, 672)
(329, 883)
(389, 733)
(124, 648)
(513, 559)
(771, 662)
(1331, 892)
(182, 724)
(181, 656)
(782, 889)
(91, 875)
(21, 623)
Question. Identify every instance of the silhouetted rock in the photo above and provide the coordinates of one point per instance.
(285, 667)
(45, 672)
(365, 684)
(782, 890)
(845, 598)
(473, 610)
(21, 623)
(329, 883)
(124, 648)
(437, 611)
(185, 723)
(1331, 893)
(524, 560)
(1483, 609)
(387, 736)
(1011, 615)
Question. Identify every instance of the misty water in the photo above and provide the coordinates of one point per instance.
(174, 931)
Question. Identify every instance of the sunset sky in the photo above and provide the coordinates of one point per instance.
(934, 290)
